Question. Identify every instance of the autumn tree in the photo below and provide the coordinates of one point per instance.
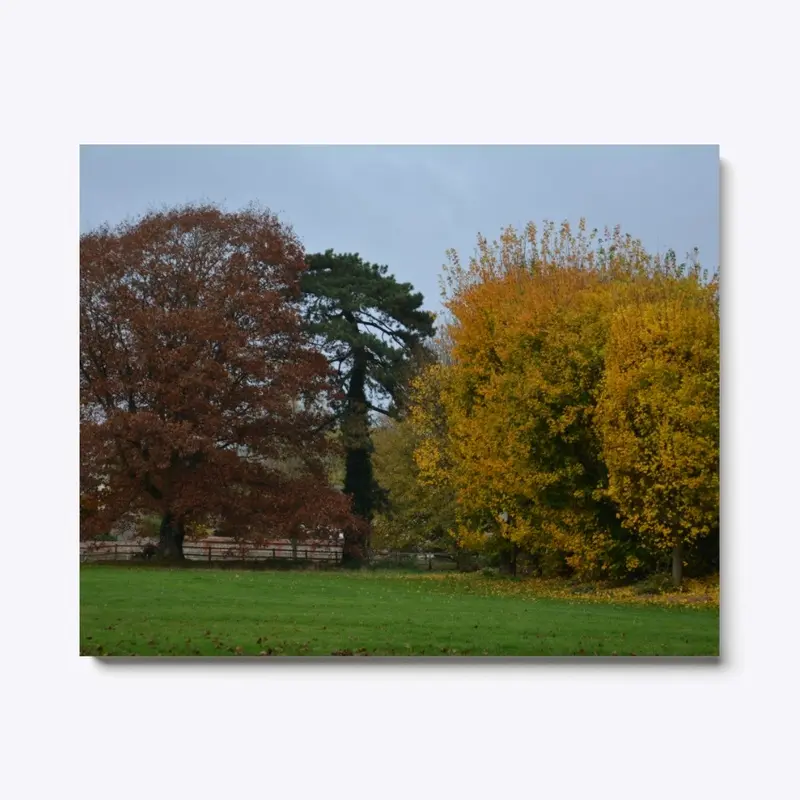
(515, 443)
(201, 395)
(659, 418)
(371, 328)
(510, 421)
(415, 515)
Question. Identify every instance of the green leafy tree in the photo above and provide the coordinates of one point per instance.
(372, 329)
(415, 515)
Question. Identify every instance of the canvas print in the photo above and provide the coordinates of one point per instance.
(407, 401)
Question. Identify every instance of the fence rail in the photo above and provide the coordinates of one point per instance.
(217, 551)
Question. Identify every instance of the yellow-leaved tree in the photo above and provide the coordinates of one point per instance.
(528, 321)
(510, 421)
(658, 414)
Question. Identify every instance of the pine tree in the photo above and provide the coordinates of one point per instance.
(372, 329)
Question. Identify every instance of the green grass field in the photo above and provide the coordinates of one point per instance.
(182, 612)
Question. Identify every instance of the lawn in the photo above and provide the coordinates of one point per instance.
(152, 611)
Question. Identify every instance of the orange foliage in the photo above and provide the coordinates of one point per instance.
(201, 396)
(510, 423)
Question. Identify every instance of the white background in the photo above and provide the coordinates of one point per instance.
(458, 72)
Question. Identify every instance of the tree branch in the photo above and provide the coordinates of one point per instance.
(374, 323)
(379, 410)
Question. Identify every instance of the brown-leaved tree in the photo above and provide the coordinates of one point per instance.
(201, 396)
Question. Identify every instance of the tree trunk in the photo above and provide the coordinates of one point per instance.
(170, 538)
(358, 462)
(677, 565)
(508, 559)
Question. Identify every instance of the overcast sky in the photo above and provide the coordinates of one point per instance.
(404, 206)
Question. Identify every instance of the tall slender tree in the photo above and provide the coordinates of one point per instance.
(372, 329)
(659, 417)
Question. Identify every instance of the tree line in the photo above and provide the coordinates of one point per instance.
(223, 371)
(572, 415)
(565, 412)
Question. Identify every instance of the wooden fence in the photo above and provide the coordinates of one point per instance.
(216, 550)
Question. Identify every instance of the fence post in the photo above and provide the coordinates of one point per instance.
(115, 552)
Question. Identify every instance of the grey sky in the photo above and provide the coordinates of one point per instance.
(404, 206)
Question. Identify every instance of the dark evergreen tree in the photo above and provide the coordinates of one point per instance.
(373, 331)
